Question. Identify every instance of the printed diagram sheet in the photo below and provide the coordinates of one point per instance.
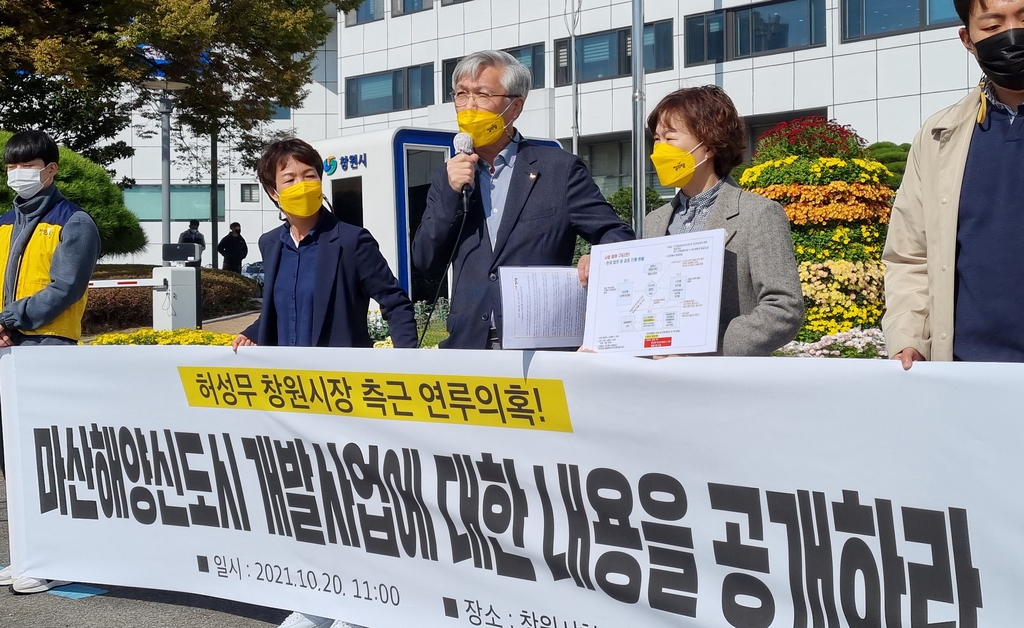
(544, 307)
(656, 296)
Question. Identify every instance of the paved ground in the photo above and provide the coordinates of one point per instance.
(231, 325)
(124, 606)
(121, 606)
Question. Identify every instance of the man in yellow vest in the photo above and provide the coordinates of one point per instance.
(48, 248)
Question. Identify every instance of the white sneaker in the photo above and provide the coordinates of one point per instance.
(25, 585)
(298, 620)
(344, 624)
(6, 577)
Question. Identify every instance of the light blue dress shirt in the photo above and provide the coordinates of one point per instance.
(494, 185)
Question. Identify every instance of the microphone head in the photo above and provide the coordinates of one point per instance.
(463, 144)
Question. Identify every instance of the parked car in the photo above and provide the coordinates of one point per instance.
(254, 271)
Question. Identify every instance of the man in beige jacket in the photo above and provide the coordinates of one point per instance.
(953, 255)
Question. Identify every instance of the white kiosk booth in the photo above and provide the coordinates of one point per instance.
(379, 180)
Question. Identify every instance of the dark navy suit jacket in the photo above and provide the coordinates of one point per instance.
(350, 270)
(551, 199)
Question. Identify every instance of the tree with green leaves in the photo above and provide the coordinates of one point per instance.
(261, 57)
(621, 201)
(81, 119)
(88, 185)
(240, 57)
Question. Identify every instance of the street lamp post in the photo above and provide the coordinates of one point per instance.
(639, 143)
(165, 106)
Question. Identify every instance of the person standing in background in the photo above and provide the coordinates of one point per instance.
(233, 248)
(193, 236)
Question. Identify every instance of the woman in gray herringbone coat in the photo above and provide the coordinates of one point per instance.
(699, 138)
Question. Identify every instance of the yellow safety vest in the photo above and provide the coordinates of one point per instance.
(34, 273)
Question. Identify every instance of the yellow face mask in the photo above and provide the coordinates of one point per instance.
(675, 166)
(485, 127)
(302, 199)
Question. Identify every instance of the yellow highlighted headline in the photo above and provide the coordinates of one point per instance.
(537, 404)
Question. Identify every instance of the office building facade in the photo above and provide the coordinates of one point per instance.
(878, 65)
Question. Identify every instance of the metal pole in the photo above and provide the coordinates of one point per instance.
(575, 92)
(639, 143)
(165, 107)
(213, 197)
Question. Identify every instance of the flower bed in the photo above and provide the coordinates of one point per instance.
(173, 337)
(814, 171)
(855, 343)
(831, 202)
(838, 206)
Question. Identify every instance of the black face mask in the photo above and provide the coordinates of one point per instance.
(1001, 57)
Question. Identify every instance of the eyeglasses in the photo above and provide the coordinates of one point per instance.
(462, 97)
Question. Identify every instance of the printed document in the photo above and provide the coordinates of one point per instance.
(544, 307)
(656, 296)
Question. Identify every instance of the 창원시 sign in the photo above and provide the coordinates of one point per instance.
(518, 489)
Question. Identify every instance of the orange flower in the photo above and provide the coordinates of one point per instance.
(839, 200)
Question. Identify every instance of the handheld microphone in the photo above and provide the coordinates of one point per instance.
(463, 143)
(464, 146)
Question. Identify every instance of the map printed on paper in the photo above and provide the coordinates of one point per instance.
(656, 296)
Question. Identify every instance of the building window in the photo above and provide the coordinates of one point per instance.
(188, 202)
(530, 56)
(609, 54)
(610, 164)
(394, 90)
(533, 58)
(878, 18)
(705, 38)
(754, 30)
(445, 3)
(281, 113)
(448, 68)
(402, 7)
(368, 11)
(250, 193)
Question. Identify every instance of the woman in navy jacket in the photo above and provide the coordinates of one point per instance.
(320, 273)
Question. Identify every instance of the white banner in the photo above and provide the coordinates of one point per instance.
(514, 489)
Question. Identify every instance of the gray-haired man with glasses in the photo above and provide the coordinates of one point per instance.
(528, 202)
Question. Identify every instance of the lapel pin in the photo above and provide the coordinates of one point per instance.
(533, 176)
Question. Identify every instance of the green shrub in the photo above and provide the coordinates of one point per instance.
(88, 185)
(894, 157)
(440, 313)
(224, 293)
(621, 201)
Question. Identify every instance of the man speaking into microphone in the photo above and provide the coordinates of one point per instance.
(525, 203)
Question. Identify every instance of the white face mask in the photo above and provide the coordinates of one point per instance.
(26, 182)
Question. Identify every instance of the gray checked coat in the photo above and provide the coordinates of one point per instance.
(762, 303)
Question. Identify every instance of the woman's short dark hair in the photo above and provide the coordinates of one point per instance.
(278, 154)
(710, 116)
(29, 145)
